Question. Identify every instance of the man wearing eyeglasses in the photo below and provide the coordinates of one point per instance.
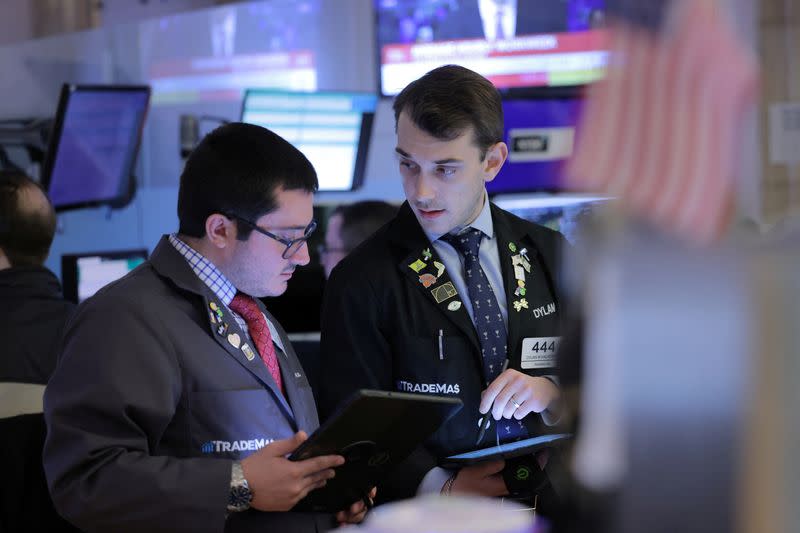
(178, 396)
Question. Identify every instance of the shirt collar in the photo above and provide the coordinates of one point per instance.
(483, 223)
(206, 271)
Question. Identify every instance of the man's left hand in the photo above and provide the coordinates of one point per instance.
(356, 513)
(516, 394)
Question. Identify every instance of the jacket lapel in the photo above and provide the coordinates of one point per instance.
(425, 271)
(233, 340)
(222, 325)
(511, 243)
(294, 400)
(517, 248)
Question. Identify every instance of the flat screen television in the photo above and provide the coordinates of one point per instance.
(94, 144)
(332, 129)
(84, 274)
(540, 134)
(515, 43)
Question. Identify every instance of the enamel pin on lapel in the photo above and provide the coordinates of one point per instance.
(427, 280)
(521, 265)
(444, 292)
(417, 265)
(426, 254)
(234, 340)
(454, 306)
(439, 268)
(216, 310)
(248, 351)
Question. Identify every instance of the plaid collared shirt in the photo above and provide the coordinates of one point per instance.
(217, 282)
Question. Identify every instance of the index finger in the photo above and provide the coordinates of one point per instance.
(311, 466)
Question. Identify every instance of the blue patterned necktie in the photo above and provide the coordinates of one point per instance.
(488, 320)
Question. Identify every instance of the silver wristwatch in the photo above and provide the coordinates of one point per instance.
(240, 495)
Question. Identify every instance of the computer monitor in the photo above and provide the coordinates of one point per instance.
(85, 274)
(332, 129)
(540, 134)
(515, 43)
(94, 144)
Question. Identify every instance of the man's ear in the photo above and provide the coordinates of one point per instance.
(220, 230)
(496, 155)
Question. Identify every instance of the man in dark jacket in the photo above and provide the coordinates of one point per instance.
(32, 316)
(178, 396)
(454, 296)
(33, 310)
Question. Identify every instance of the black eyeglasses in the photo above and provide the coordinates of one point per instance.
(292, 245)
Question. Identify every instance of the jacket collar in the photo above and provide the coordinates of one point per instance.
(419, 265)
(35, 281)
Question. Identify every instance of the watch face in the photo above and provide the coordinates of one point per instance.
(239, 498)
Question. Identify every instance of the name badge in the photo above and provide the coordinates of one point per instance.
(539, 352)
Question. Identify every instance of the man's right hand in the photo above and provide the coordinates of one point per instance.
(484, 479)
(277, 483)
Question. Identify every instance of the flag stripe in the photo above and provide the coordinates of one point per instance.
(659, 131)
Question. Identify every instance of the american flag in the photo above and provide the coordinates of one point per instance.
(660, 132)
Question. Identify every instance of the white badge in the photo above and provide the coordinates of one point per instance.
(539, 352)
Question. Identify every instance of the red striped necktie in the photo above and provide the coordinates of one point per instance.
(248, 309)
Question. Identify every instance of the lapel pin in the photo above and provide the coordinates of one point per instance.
(426, 254)
(427, 280)
(222, 329)
(519, 273)
(512, 247)
(439, 268)
(444, 292)
(234, 340)
(248, 351)
(454, 306)
(417, 265)
(213, 306)
(211, 317)
(519, 304)
(298, 375)
(524, 253)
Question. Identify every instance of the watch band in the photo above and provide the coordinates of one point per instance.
(240, 495)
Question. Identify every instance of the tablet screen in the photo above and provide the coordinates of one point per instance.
(510, 449)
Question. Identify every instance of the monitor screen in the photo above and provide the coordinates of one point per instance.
(570, 214)
(540, 134)
(332, 129)
(514, 43)
(212, 55)
(85, 274)
(94, 144)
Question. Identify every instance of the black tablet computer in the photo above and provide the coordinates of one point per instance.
(505, 451)
(374, 431)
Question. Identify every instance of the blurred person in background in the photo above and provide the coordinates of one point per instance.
(350, 225)
(33, 313)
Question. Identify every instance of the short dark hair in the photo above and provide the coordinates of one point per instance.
(26, 232)
(236, 170)
(362, 219)
(449, 100)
